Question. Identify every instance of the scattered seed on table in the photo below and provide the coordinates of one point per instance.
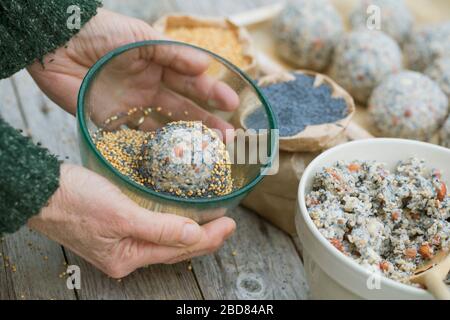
(298, 104)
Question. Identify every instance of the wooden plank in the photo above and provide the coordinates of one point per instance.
(167, 282)
(56, 129)
(6, 292)
(258, 262)
(31, 262)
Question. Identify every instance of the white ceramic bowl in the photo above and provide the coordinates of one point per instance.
(330, 274)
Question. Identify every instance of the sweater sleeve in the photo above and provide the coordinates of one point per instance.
(29, 176)
(30, 29)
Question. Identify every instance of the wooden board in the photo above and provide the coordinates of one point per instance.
(257, 262)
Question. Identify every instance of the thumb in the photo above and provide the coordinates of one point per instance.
(162, 228)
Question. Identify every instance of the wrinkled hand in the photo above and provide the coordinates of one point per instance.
(151, 76)
(91, 217)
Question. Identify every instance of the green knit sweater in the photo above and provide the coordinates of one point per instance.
(29, 174)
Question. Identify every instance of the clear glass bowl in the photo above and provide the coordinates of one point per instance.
(110, 98)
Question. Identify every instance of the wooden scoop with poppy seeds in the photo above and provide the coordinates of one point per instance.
(433, 273)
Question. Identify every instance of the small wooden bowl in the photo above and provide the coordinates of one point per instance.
(173, 21)
(312, 138)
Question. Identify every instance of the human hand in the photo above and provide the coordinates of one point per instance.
(94, 219)
(160, 76)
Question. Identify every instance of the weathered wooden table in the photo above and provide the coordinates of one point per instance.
(258, 262)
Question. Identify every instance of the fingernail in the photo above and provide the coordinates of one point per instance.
(191, 233)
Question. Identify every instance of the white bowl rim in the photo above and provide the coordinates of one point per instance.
(315, 231)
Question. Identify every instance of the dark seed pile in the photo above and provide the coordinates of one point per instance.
(298, 104)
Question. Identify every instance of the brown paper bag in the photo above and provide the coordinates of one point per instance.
(314, 137)
(191, 21)
(275, 197)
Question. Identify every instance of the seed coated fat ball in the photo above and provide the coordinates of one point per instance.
(362, 59)
(408, 105)
(396, 19)
(427, 44)
(187, 159)
(439, 71)
(306, 33)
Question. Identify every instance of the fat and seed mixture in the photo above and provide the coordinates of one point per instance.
(390, 222)
(183, 158)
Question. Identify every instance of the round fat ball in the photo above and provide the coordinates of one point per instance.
(408, 105)
(362, 59)
(306, 32)
(427, 44)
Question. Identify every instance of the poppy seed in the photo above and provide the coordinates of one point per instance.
(298, 104)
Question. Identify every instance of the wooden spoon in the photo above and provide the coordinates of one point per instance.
(432, 275)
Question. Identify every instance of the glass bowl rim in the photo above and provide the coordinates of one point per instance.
(89, 78)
